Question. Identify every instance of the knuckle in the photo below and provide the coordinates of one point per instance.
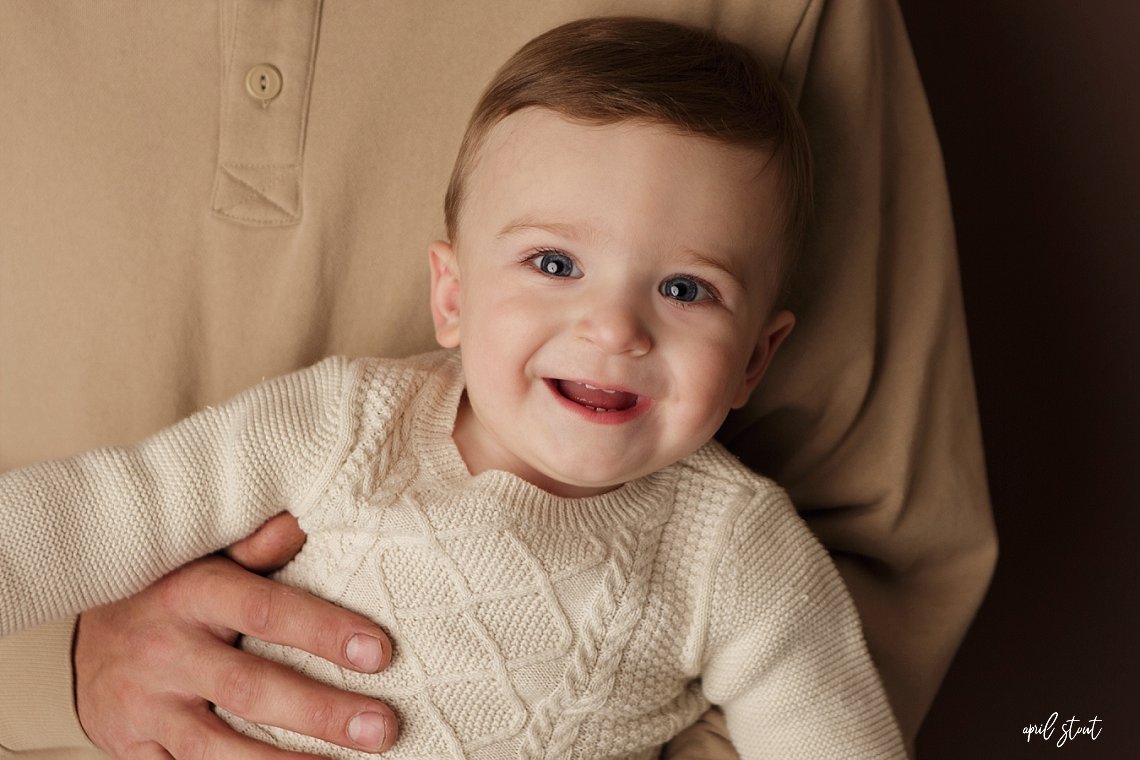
(324, 719)
(132, 695)
(240, 688)
(179, 589)
(143, 750)
(191, 735)
(328, 637)
(258, 611)
(150, 646)
(195, 745)
(173, 591)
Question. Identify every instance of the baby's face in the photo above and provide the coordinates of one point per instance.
(611, 292)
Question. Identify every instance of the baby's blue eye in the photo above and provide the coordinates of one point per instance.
(555, 264)
(684, 289)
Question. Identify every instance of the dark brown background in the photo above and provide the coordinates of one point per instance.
(1037, 104)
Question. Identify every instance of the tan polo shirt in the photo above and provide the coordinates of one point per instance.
(194, 196)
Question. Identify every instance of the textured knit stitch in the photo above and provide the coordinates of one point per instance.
(525, 625)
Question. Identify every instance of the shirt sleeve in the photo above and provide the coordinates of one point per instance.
(37, 703)
(785, 656)
(867, 415)
(91, 529)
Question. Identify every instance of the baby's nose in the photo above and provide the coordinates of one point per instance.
(616, 327)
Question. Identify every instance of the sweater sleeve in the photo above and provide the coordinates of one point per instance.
(785, 656)
(91, 529)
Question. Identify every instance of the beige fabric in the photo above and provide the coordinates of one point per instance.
(126, 301)
(530, 625)
(34, 664)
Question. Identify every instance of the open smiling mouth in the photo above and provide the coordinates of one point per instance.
(602, 404)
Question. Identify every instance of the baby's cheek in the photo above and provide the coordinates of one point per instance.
(707, 400)
(717, 376)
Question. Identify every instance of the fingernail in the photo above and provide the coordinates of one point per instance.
(364, 652)
(368, 729)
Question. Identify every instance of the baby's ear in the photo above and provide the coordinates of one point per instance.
(444, 293)
(778, 327)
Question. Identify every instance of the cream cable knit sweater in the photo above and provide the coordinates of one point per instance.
(525, 625)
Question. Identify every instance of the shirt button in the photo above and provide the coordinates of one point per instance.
(263, 82)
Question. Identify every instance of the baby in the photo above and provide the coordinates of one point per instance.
(568, 564)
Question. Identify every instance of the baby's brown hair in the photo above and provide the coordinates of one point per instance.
(607, 70)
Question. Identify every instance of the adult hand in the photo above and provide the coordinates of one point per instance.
(706, 739)
(147, 668)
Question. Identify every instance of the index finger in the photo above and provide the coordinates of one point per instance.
(219, 593)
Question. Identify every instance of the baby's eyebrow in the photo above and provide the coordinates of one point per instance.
(568, 231)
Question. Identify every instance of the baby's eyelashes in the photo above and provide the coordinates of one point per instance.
(686, 289)
(554, 264)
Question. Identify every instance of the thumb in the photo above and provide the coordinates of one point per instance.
(271, 546)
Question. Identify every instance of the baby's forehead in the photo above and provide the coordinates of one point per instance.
(540, 119)
(542, 170)
(545, 137)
